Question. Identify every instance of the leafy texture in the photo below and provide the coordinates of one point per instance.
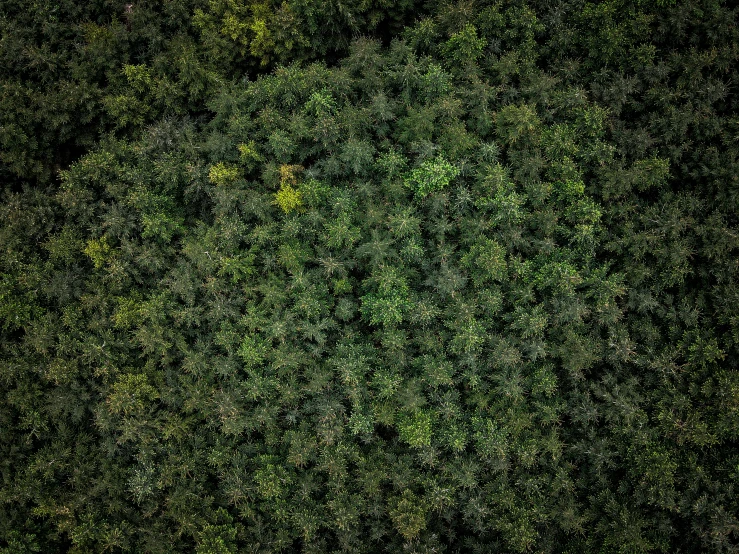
(468, 288)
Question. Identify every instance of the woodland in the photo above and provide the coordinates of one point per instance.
(369, 276)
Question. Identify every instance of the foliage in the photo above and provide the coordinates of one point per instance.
(469, 288)
(431, 176)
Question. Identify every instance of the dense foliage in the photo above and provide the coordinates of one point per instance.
(465, 283)
(71, 71)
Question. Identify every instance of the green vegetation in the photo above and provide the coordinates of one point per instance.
(467, 282)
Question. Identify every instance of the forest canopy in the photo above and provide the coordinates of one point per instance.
(369, 276)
